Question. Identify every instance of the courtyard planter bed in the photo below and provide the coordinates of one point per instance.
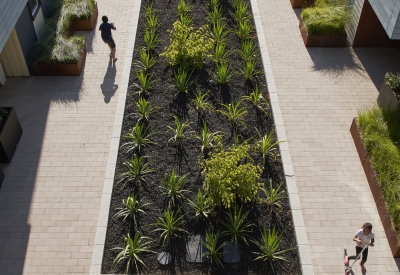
(327, 41)
(234, 150)
(388, 221)
(389, 93)
(10, 134)
(296, 4)
(86, 24)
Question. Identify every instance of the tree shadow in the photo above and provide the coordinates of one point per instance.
(108, 87)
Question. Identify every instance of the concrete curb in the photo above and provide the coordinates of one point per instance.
(304, 252)
(98, 249)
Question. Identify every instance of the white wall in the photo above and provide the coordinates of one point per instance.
(10, 10)
(388, 12)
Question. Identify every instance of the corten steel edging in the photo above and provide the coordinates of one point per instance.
(62, 69)
(326, 41)
(376, 191)
(297, 3)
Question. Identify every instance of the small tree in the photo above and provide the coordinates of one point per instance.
(229, 175)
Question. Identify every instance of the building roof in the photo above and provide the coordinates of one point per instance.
(10, 11)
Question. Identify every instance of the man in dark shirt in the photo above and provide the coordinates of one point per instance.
(106, 35)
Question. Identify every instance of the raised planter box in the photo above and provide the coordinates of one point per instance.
(10, 134)
(380, 202)
(86, 24)
(387, 98)
(327, 41)
(297, 3)
(62, 69)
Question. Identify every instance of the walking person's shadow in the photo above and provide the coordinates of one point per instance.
(108, 87)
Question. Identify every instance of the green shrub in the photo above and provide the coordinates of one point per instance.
(393, 81)
(230, 175)
(329, 20)
(188, 48)
(380, 131)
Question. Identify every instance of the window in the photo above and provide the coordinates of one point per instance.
(34, 6)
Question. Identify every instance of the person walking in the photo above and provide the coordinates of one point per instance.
(106, 35)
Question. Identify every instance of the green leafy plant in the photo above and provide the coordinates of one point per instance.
(213, 250)
(145, 82)
(221, 54)
(274, 196)
(185, 19)
(151, 23)
(270, 247)
(144, 110)
(240, 14)
(216, 15)
(267, 146)
(135, 171)
(234, 113)
(249, 70)
(248, 50)
(219, 32)
(201, 102)
(258, 100)
(132, 207)
(235, 3)
(200, 205)
(183, 8)
(180, 131)
(183, 80)
(393, 81)
(212, 4)
(244, 30)
(130, 252)
(169, 226)
(208, 139)
(150, 39)
(172, 189)
(146, 62)
(224, 73)
(236, 226)
(138, 139)
(230, 175)
(188, 46)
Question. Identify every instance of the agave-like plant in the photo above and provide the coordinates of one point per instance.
(216, 15)
(183, 80)
(258, 100)
(267, 146)
(249, 70)
(221, 54)
(245, 30)
(150, 39)
(219, 32)
(172, 189)
(138, 139)
(146, 61)
(201, 102)
(234, 113)
(200, 205)
(241, 14)
(213, 250)
(208, 139)
(212, 4)
(248, 50)
(145, 82)
(131, 209)
(135, 171)
(144, 110)
(236, 226)
(169, 226)
(151, 23)
(180, 131)
(224, 73)
(274, 196)
(270, 247)
(130, 252)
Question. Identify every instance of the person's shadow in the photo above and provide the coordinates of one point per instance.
(108, 87)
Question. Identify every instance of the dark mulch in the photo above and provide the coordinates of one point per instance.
(187, 159)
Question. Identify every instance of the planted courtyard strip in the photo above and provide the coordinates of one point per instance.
(167, 187)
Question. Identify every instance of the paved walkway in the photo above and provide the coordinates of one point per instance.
(50, 198)
(320, 91)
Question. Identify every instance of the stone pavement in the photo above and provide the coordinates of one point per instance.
(320, 90)
(50, 199)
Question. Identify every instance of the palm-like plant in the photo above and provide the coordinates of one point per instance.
(270, 247)
(213, 250)
(180, 131)
(244, 30)
(240, 14)
(172, 189)
(169, 226)
(216, 15)
(249, 70)
(234, 113)
(183, 81)
(146, 62)
(200, 205)
(274, 196)
(138, 139)
(208, 138)
(151, 23)
(267, 146)
(219, 32)
(258, 100)
(135, 171)
(145, 82)
(130, 252)
(150, 39)
(144, 110)
(236, 226)
(224, 73)
(132, 207)
(221, 54)
(248, 50)
(201, 102)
